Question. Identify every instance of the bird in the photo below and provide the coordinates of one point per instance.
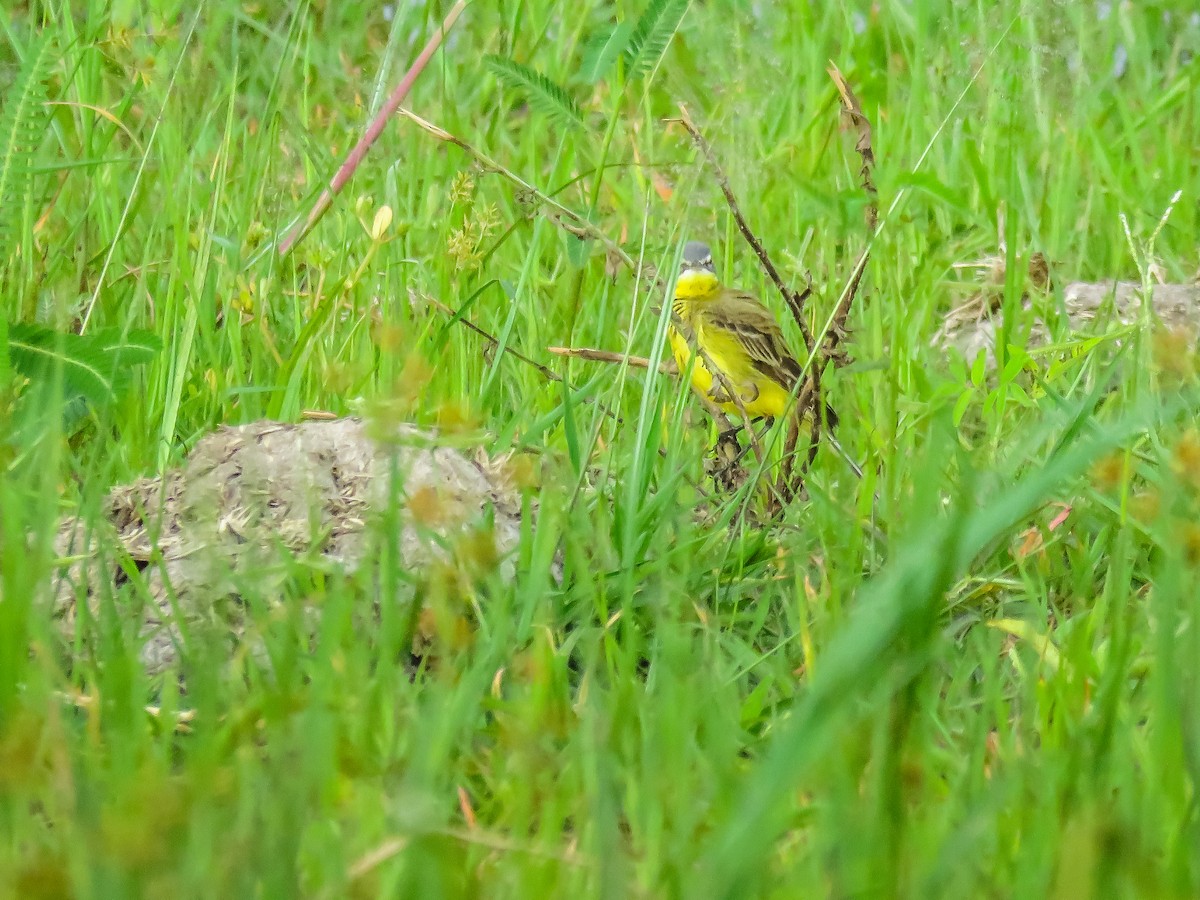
(740, 337)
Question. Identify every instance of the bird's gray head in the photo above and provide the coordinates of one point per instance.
(696, 255)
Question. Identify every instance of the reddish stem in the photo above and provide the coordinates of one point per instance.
(355, 156)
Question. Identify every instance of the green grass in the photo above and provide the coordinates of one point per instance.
(915, 697)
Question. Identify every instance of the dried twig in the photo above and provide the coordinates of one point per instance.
(490, 338)
(670, 369)
(837, 324)
(784, 490)
(608, 356)
(582, 353)
(863, 146)
(795, 300)
(853, 109)
(355, 156)
(834, 331)
(564, 217)
(664, 368)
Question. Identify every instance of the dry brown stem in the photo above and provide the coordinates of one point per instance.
(809, 397)
(490, 338)
(608, 356)
(564, 217)
(862, 125)
(356, 155)
(795, 300)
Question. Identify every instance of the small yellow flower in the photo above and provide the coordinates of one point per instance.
(381, 223)
(1173, 355)
(1146, 506)
(1185, 462)
(1108, 472)
(1190, 543)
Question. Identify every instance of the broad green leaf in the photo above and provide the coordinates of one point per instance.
(603, 50)
(961, 406)
(578, 251)
(979, 368)
(94, 366)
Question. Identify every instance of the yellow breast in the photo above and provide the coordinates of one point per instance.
(759, 395)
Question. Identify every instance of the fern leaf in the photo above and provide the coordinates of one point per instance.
(654, 31)
(605, 47)
(542, 93)
(23, 120)
(95, 367)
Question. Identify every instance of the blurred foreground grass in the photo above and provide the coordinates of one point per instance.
(953, 691)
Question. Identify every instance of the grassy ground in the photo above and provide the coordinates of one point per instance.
(934, 694)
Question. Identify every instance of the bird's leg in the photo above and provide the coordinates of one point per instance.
(724, 468)
(728, 451)
(726, 471)
(729, 434)
(767, 427)
(770, 422)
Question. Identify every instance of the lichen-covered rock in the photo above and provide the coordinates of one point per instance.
(249, 497)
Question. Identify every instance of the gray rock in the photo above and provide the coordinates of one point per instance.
(252, 499)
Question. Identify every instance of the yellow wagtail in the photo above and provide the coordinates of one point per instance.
(738, 334)
(742, 340)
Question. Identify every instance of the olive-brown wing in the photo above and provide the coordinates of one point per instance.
(755, 328)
